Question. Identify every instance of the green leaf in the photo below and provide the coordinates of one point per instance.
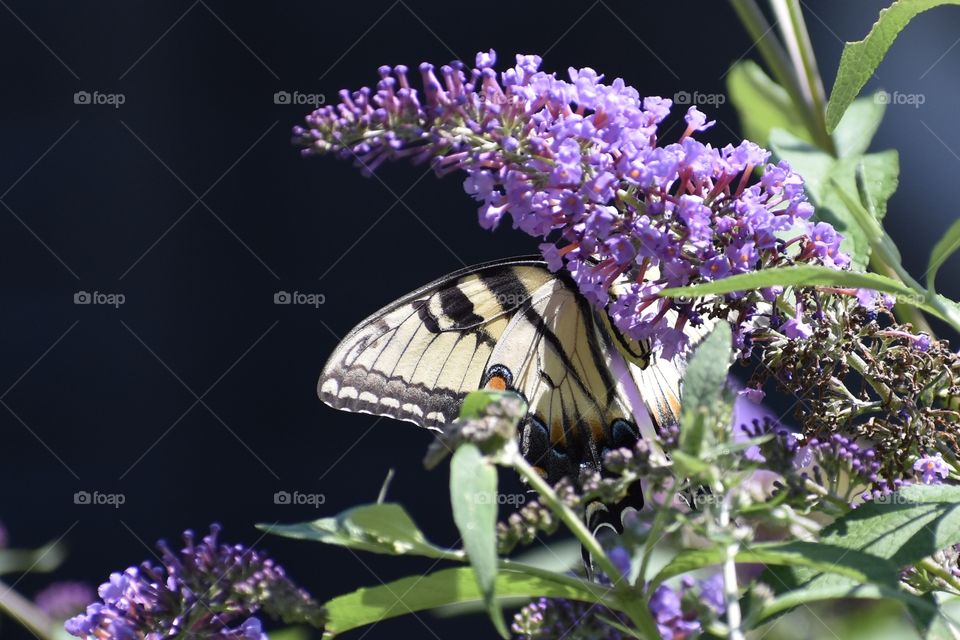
(827, 179)
(445, 587)
(860, 59)
(932, 623)
(826, 558)
(762, 104)
(704, 383)
(799, 275)
(837, 591)
(476, 401)
(816, 167)
(881, 176)
(41, 560)
(908, 526)
(859, 124)
(902, 529)
(473, 495)
(379, 528)
(942, 251)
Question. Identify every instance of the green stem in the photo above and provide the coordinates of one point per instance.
(632, 605)
(770, 48)
(930, 566)
(813, 487)
(794, 30)
(731, 592)
(778, 61)
(26, 613)
(653, 537)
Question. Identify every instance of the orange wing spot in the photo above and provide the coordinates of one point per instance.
(498, 383)
(557, 435)
(597, 430)
(674, 404)
(541, 471)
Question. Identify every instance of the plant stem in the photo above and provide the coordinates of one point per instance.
(632, 605)
(779, 63)
(26, 613)
(731, 591)
(771, 50)
(653, 536)
(930, 566)
(794, 31)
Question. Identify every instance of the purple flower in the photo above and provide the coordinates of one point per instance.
(61, 600)
(921, 342)
(672, 622)
(795, 328)
(711, 592)
(697, 121)
(752, 394)
(178, 597)
(620, 558)
(579, 162)
(932, 469)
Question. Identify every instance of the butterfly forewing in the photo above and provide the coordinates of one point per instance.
(417, 358)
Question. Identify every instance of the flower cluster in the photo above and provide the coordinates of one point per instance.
(208, 590)
(868, 377)
(579, 162)
(679, 614)
(558, 618)
(837, 465)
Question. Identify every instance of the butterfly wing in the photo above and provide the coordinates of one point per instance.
(553, 354)
(508, 324)
(417, 358)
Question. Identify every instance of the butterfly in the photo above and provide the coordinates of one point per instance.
(511, 325)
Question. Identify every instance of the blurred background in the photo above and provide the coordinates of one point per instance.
(146, 158)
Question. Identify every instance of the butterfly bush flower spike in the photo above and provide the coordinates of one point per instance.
(579, 163)
(207, 589)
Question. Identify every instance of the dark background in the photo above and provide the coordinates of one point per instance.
(103, 199)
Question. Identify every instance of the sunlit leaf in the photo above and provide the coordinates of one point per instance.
(473, 495)
(379, 528)
(860, 59)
